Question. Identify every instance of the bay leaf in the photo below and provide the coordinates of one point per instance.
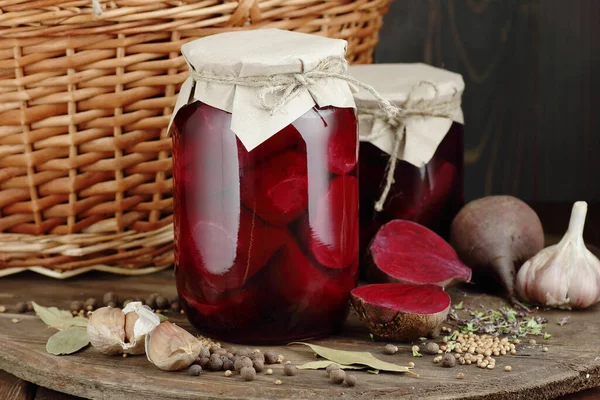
(322, 364)
(344, 357)
(162, 317)
(58, 319)
(67, 341)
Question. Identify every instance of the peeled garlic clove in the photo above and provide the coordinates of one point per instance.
(171, 348)
(139, 321)
(106, 330)
(566, 275)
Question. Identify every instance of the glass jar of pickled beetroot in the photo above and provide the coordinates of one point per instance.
(427, 180)
(266, 230)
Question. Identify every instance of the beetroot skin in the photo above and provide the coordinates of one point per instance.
(334, 230)
(407, 252)
(277, 190)
(494, 236)
(401, 312)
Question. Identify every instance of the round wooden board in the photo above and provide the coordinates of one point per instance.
(571, 364)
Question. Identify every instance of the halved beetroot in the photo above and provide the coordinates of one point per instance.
(334, 228)
(401, 312)
(277, 189)
(407, 252)
(227, 256)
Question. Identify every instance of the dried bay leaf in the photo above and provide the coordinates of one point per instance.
(58, 319)
(162, 317)
(322, 364)
(67, 341)
(344, 357)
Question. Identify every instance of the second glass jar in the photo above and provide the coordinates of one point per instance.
(267, 240)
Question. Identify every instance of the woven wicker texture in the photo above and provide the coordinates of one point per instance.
(85, 99)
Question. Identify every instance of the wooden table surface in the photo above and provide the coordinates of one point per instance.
(570, 366)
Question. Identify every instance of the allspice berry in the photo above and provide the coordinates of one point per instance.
(244, 352)
(110, 297)
(204, 353)
(331, 367)
(270, 357)
(215, 363)
(390, 349)
(448, 360)
(91, 304)
(203, 362)
(258, 364)
(248, 373)
(227, 363)
(257, 355)
(350, 380)
(432, 348)
(77, 305)
(21, 307)
(337, 376)
(242, 362)
(289, 370)
(195, 370)
(162, 302)
(214, 349)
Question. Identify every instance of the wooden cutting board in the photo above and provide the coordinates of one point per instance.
(571, 364)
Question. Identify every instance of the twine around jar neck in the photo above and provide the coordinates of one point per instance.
(397, 123)
(277, 90)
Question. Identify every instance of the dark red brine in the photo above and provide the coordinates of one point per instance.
(431, 195)
(266, 241)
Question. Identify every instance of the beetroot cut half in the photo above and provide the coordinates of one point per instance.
(406, 252)
(401, 312)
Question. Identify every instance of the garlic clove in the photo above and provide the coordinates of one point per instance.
(139, 321)
(565, 275)
(106, 330)
(171, 348)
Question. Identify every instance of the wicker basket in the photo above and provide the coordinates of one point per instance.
(86, 91)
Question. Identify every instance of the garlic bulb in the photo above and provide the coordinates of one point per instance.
(172, 348)
(115, 331)
(566, 275)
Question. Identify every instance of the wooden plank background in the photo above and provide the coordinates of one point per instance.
(532, 73)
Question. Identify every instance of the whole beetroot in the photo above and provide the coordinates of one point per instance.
(494, 236)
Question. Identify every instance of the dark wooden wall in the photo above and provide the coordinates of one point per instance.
(532, 100)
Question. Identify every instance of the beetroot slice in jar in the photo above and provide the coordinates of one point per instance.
(335, 129)
(286, 139)
(334, 229)
(226, 258)
(233, 309)
(277, 190)
(401, 312)
(407, 252)
(306, 286)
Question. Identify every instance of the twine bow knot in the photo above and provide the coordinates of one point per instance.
(396, 121)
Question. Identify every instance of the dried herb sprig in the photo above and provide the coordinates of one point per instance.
(504, 321)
